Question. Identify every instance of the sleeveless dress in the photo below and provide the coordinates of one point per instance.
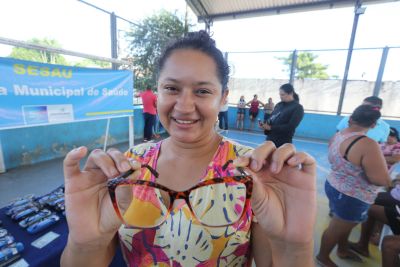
(181, 240)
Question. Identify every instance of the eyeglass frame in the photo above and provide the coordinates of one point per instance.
(245, 179)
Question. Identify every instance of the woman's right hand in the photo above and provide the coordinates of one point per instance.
(91, 218)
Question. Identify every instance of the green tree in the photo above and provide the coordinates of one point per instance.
(306, 67)
(147, 42)
(91, 63)
(39, 55)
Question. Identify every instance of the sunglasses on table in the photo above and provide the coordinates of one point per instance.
(215, 202)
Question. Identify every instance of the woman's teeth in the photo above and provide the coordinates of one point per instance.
(184, 121)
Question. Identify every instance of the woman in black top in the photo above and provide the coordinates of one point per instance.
(286, 116)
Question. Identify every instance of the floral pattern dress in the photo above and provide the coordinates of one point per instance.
(181, 240)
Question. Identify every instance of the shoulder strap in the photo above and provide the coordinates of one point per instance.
(352, 144)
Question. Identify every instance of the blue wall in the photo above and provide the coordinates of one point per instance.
(31, 145)
(25, 146)
(314, 126)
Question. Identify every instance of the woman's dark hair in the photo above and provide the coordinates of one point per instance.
(393, 132)
(200, 41)
(289, 89)
(374, 100)
(365, 115)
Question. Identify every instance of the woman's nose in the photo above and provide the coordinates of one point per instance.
(185, 102)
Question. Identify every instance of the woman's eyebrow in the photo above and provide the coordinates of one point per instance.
(169, 79)
(204, 83)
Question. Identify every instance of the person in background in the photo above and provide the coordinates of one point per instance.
(391, 251)
(285, 118)
(268, 108)
(241, 112)
(254, 104)
(391, 152)
(391, 148)
(383, 211)
(149, 100)
(230, 222)
(223, 116)
(380, 132)
(157, 127)
(358, 170)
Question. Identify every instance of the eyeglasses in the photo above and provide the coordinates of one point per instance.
(214, 202)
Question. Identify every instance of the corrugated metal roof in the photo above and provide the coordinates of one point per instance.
(231, 9)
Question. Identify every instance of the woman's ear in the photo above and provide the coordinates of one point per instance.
(350, 122)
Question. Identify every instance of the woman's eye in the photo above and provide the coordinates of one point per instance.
(171, 89)
(203, 91)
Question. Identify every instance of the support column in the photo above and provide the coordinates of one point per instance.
(358, 10)
(2, 165)
(114, 45)
(378, 82)
(293, 67)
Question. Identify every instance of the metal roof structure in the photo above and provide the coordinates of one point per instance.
(213, 10)
(208, 11)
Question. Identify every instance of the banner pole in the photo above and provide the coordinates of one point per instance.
(106, 137)
(131, 132)
(2, 165)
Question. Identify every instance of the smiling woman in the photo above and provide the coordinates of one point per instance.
(198, 186)
(188, 106)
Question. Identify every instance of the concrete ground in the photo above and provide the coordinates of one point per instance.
(41, 178)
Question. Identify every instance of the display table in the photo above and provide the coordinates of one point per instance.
(50, 254)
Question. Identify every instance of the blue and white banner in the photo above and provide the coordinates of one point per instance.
(34, 93)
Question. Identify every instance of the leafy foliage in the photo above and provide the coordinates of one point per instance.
(52, 58)
(148, 41)
(39, 55)
(90, 63)
(306, 67)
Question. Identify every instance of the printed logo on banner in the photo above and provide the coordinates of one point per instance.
(35, 114)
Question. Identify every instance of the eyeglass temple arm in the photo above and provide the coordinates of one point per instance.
(153, 171)
(240, 169)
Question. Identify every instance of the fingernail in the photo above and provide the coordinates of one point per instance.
(274, 167)
(294, 160)
(254, 165)
(77, 149)
(126, 165)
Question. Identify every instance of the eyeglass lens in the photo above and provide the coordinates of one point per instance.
(144, 206)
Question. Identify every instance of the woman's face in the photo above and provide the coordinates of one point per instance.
(189, 95)
(285, 97)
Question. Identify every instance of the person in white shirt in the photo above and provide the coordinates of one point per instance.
(241, 111)
(381, 131)
(223, 116)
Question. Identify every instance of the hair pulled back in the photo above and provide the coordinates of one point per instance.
(365, 115)
(200, 41)
(289, 89)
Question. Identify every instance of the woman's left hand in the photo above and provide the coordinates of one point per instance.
(284, 191)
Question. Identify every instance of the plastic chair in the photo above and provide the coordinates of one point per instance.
(394, 171)
(385, 231)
